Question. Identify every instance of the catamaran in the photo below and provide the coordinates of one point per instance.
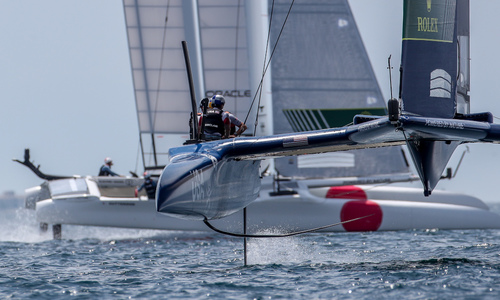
(305, 88)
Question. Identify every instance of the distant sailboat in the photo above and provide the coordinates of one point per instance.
(321, 189)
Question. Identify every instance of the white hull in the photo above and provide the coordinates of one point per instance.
(392, 208)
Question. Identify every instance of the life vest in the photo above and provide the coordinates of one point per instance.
(213, 121)
(103, 171)
(150, 187)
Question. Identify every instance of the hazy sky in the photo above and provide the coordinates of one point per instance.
(67, 94)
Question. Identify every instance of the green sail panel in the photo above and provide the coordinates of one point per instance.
(316, 119)
(429, 20)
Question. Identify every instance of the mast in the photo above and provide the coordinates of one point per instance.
(258, 26)
(193, 39)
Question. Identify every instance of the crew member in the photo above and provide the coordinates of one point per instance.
(149, 184)
(203, 107)
(234, 122)
(105, 169)
(219, 123)
(214, 125)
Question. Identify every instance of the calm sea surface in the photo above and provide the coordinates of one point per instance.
(105, 263)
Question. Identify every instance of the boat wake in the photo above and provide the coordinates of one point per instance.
(19, 225)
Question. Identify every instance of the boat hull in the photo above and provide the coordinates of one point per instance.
(200, 186)
(383, 208)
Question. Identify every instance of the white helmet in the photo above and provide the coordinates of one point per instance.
(108, 160)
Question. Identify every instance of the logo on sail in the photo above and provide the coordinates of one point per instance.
(429, 4)
(440, 86)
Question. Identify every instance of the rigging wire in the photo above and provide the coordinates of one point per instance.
(161, 63)
(160, 69)
(138, 156)
(270, 58)
(280, 235)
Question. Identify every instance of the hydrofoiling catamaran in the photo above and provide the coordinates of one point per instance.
(214, 180)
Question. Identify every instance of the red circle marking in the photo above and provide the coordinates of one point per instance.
(346, 192)
(359, 208)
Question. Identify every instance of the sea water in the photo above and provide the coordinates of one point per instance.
(107, 263)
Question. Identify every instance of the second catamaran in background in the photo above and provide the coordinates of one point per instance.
(306, 88)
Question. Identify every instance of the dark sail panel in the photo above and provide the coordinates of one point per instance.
(321, 78)
(429, 58)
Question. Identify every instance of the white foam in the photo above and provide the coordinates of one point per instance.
(278, 250)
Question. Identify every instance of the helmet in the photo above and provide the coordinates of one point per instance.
(108, 160)
(147, 175)
(217, 101)
(204, 102)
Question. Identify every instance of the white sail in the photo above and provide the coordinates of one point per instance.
(155, 31)
(216, 35)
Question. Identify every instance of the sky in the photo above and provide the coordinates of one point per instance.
(66, 87)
